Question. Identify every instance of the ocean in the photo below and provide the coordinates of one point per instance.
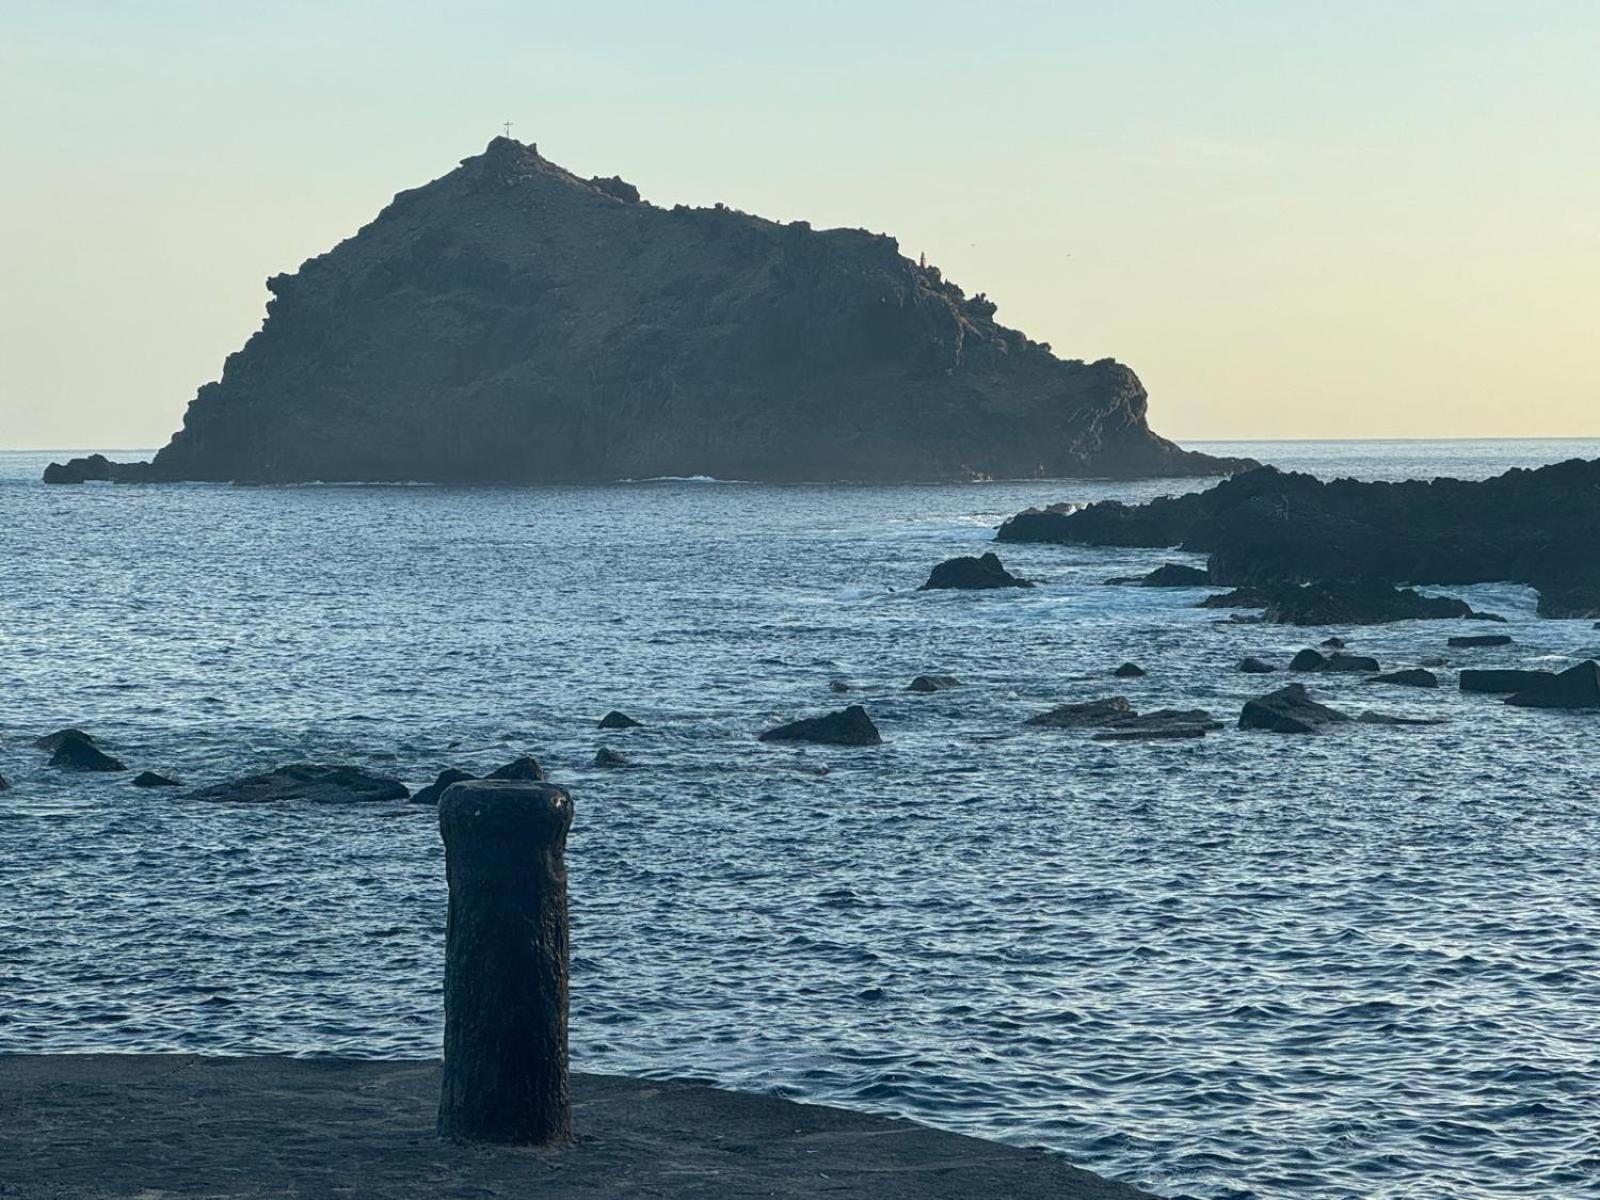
(1365, 964)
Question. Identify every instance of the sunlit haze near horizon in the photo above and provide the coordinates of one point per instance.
(1361, 220)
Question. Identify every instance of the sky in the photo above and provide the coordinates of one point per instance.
(1292, 220)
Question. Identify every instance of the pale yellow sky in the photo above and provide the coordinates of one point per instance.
(1362, 224)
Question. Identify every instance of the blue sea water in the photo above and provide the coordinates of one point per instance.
(1365, 964)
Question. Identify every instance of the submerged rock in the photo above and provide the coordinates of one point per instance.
(319, 783)
(1377, 718)
(1163, 723)
(1577, 687)
(1334, 643)
(1479, 640)
(1087, 715)
(618, 720)
(1129, 670)
(839, 686)
(1412, 677)
(608, 758)
(75, 751)
(150, 779)
(435, 790)
(1289, 710)
(972, 574)
(1255, 666)
(847, 727)
(525, 769)
(511, 322)
(4, 786)
(933, 683)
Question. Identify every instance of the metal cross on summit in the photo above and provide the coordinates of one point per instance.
(508, 128)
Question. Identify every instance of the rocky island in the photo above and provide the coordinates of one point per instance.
(511, 322)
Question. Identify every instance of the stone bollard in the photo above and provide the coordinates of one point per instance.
(505, 974)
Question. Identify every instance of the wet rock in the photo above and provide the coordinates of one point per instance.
(432, 793)
(1129, 670)
(75, 751)
(52, 741)
(1503, 682)
(618, 720)
(1366, 603)
(1289, 710)
(1087, 715)
(1176, 575)
(970, 573)
(523, 770)
(933, 683)
(1163, 723)
(847, 727)
(320, 783)
(1334, 643)
(1245, 597)
(1254, 666)
(1377, 718)
(1308, 660)
(1577, 687)
(96, 468)
(150, 779)
(1479, 640)
(1312, 660)
(1413, 677)
(839, 686)
(605, 757)
(1137, 733)
(4, 786)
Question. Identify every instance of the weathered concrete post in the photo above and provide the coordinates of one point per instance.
(505, 974)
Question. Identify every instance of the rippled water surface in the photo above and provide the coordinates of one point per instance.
(1359, 965)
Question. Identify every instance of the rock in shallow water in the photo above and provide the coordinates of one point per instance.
(520, 770)
(75, 751)
(1577, 687)
(1254, 666)
(606, 757)
(1289, 710)
(1087, 715)
(432, 793)
(1503, 682)
(1377, 718)
(320, 783)
(1414, 677)
(618, 720)
(972, 574)
(933, 683)
(848, 727)
(1129, 670)
(150, 779)
(52, 741)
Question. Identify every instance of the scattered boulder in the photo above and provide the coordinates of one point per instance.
(1089, 715)
(1245, 597)
(933, 683)
(525, 769)
(1308, 660)
(1414, 677)
(1163, 723)
(1334, 643)
(436, 789)
(1176, 575)
(1577, 687)
(1130, 670)
(1503, 682)
(319, 783)
(608, 758)
(1482, 639)
(1289, 710)
(970, 573)
(51, 742)
(1254, 666)
(76, 751)
(618, 720)
(150, 779)
(1377, 718)
(847, 727)
(1313, 660)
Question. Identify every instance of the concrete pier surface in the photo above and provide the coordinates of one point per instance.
(93, 1127)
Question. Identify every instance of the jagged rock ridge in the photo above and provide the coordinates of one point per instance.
(510, 322)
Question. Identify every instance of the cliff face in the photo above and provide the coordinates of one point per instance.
(511, 322)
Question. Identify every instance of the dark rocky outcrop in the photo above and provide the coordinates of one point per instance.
(1577, 687)
(51, 742)
(511, 322)
(1289, 710)
(317, 782)
(618, 720)
(1129, 670)
(522, 770)
(1087, 715)
(1377, 718)
(150, 779)
(76, 751)
(1334, 643)
(1171, 575)
(609, 759)
(1314, 660)
(1161, 724)
(1413, 677)
(933, 683)
(847, 727)
(1254, 666)
(1267, 526)
(1360, 603)
(436, 789)
(1503, 682)
(972, 574)
(1480, 640)
(97, 468)
(1247, 597)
